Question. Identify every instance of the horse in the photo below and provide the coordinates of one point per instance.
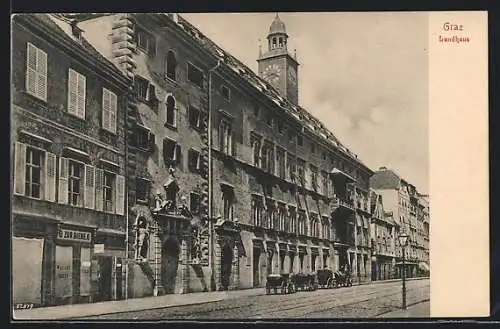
(343, 276)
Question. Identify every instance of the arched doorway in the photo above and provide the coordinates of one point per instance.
(170, 263)
(226, 264)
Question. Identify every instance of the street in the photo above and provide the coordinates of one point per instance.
(365, 301)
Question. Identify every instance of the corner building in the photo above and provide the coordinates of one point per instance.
(268, 188)
(68, 145)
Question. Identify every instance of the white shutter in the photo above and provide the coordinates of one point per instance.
(106, 109)
(120, 195)
(113, 111)
(20, 168)
(41, 68)
(89, 186)
(50, 177)
(99, 193)
(72, 92)
(31, 69)
(63, 180)
(81, 95)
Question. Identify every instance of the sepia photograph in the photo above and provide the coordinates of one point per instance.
(221, 166)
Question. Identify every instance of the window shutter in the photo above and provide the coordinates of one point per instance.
(89, 187)
(20, 168)
(81, 92)
(106, 108)
(120, 195)
(42, 74)
(50, 177)
(113, 110)
(72, 92)
(31, 75)
(99, 193)
(63, 180)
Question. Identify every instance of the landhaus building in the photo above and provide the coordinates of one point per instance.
(68, 166)
(231, 179)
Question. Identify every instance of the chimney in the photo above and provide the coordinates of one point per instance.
(382, 168)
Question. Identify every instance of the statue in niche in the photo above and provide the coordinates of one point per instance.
(171, 188)
(142, 240)
(195, 230)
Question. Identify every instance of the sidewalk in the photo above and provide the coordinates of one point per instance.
(136, 304)
(419, 310)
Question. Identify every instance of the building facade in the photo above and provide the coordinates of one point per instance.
(402, 199)
(278, 191)
(383, 236)
(68, 145)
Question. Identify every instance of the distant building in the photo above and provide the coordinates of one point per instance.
(402, 199)
(68, 143)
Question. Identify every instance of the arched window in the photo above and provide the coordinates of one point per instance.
(274, 43)
(171, 111)
(171, 65)
(280, 42)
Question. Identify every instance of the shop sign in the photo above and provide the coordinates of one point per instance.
(73, 235)
(99, 248)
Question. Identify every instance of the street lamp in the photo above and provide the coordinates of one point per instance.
(403, 239)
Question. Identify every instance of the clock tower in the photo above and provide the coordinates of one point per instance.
(277, 66)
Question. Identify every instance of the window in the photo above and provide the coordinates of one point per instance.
(227, 201)
(171, 65)
(301, 164)
(33, 178)
(300, 140)
(314, 226)
(76, 93)
(194, 158)
(256, 111)
(314, 178)
(326, 228)
(194, 203)
(75, 183)
(291, 166)
(325, 183)
(226, 93)
(291, 136)
(142, 189)
(268, 157)
(281, 127)
(195, 118)
(145, 41)
(108, 187)
(293, 219)
(302, 223)
(313, 148)
(36, 72)
(255, 140)
(324, 156)
(195, 75)
(275, 217)
(283, 223)
(109, 110)
(257, 208)
(226, 138)
(280, 157)
(143, 138)
(270, 119)
(171, 152)
(144, 90)
(171, 111)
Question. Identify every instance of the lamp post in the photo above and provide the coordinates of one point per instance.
(403, 239)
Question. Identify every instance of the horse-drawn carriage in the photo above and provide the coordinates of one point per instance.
(343, 277)
(282, 282)
(304, 281)
(326, 278)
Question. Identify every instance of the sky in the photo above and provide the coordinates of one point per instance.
(364, 75)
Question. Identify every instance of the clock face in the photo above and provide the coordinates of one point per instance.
(272, 73)
(292, 76)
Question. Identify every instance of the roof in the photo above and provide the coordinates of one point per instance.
(62, 26)
(301, 115)
(384, 179)
(277, 26)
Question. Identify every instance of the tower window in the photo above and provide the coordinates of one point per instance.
(274, 42)
(280, 43)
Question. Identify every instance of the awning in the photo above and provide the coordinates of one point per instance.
(76, 151)
(339, 173)
(424, 267)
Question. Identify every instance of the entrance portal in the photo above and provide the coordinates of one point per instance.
(170, 263)
(256, 267)
(226, 264)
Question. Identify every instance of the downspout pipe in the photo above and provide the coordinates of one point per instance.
(210, 171)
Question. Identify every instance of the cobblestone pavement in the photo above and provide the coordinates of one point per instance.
(365, 301)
